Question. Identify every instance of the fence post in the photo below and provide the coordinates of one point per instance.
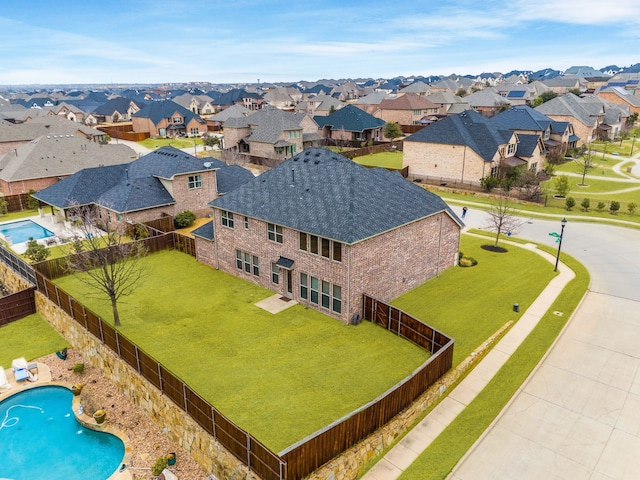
(248, 450)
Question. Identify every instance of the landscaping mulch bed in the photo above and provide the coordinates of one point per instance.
(148, 441)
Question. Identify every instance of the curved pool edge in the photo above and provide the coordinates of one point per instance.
(84, 419)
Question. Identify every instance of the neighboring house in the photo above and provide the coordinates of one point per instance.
(283, 97)
(323, 230)
(487, 102)
(216, 122)
(419, 88)
(347, 91)
(119, 109)
(584, 115)
(168, 119)
(46, 160)
(270, 133)
(615, 118)
(198, 104)
(321, 105)
(164, 182)
(14, 135)
(621, 96)
(464, 148)
(239, 96)
(526, 120)
(352, 124)
(564, 83)
(370, 103)
(408, 109)
(448, 103)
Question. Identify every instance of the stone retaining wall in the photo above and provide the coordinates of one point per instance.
(180, 427)
(352, 463)
(11, 280)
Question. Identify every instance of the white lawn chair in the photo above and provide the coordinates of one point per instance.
(21, 370)
(4, 383)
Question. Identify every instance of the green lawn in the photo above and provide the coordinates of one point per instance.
(383, 159)
(280, 377)
(470, 304)
(153, 143)
(437, 461)
(602, 168)
(10, 217)
(30, 337)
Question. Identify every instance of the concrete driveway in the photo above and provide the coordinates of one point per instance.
(578, 415)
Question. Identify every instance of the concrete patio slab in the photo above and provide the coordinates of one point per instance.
(275, 304)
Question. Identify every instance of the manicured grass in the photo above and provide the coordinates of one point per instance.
(10, 217)
(470, 304)
(153, 143)
(30, 337)
(280, 377)
(602, 168)
(383, 159)
(437, 461)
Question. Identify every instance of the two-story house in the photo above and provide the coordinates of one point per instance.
(168, 119)
(408, 109)
(162, 183)
(323, 230)
(350, 123)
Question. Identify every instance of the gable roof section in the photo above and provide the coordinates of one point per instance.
(527, 144)
(326, 194)
(568, 105)
(118, 104)
(157, 111)
(522, 117)
(409, 101)
(351, 119)
(468, 128)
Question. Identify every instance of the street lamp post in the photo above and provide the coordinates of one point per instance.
(633, 142)
(563, 223)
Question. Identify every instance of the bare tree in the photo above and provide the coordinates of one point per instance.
(502, 217)
(584, 164)
(104, 254)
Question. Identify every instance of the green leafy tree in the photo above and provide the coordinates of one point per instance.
(585, 204)
(569, 203)
(392, 130)
(561, 184)
(631, 207)
(4, 207)
(614, 206)
(489, 183)
(461, 92)
(632, 119)
(544, 97)
(36, 252)
(184, 219)
(32, 203)
(575, 91)
(211, 141)
(600, 206)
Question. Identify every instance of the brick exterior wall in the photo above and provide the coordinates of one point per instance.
(454, 162)
(586, 133)
(10, 146)
(232, 136)
(23, 186)
(615, 98)
(384, 266)
(195, 199)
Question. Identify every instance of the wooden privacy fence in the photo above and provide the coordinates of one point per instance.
(16, 203)
(18, 305)
(247, 449)
(314, 451)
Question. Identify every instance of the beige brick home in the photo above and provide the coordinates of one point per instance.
(168, 119)
(323, 230)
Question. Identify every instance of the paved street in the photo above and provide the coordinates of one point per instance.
(578, 416)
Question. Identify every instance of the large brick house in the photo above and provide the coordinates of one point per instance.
(323, 230)
(168, 119)
(162, 183)
(350, 123)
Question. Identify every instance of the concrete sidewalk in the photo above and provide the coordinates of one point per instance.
(393, 464)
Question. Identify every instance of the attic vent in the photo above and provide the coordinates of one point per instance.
(316, 162)
(317, 154)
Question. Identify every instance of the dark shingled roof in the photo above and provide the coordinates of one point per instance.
(118, 104)
(156, 111)
(136, 185)
(467, 128)
(527, 145)
(351, 119)
(326, 194)
(204, 231)
(522, 117)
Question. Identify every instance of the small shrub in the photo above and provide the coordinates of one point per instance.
(140, 231)
(32, 203)
(159, 466)
(4, 207)
(184, 219)
(569, 203)
(585, 204)
(488, 183)
(614, 207)
(631, 207)
(467, 262)
(600, 206)
(36, 252)
(78, 368)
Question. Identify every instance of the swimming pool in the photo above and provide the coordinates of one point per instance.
(41, 438)
(22, 230)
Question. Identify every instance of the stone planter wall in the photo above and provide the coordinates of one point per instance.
(11, 280)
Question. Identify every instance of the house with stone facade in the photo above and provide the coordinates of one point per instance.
(323, 230)
(168, 119)
(407, 109)
(270, 133)
(622, 97)
(162, 183)
(467, 147)
(584, 114)
(350, 123)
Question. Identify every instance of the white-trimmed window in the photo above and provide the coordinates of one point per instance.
(247, 262)
(275, 273)
(274, 232)
(511, 149)
(226, 219)
(194, 181)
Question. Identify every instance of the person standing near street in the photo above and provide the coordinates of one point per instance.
(464, 212)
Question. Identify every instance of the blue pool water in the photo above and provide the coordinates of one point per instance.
(20, 231)
(41, 438)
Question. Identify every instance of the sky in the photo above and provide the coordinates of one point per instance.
(246, 41)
